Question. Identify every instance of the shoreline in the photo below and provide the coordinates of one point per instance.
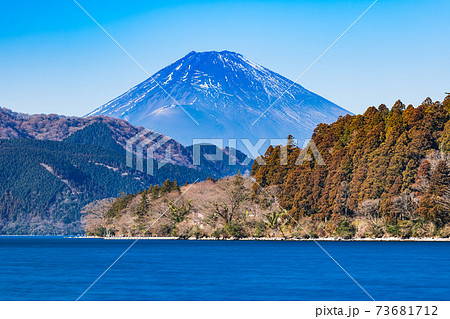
(385, 239)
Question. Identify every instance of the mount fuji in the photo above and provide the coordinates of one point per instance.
(219, 95)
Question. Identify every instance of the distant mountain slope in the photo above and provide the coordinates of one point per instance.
(97, 134)
(229, 162)
(224, 93)
(44, 184)
(102, 131)
(51, 166)
(58, 127)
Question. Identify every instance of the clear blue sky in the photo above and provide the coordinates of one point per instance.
(54, 59)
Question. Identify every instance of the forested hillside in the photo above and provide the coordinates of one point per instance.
(44, 184)
(384, 173)
(58, 127)
(107, 132)
(384, 163)
(51, 166)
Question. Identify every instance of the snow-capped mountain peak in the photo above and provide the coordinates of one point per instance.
(224, 93)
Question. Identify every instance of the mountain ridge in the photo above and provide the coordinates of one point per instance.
(55, 127)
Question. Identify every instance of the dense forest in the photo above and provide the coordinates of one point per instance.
(384, 163)
(382, 174)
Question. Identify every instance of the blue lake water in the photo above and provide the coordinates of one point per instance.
(56, 268)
